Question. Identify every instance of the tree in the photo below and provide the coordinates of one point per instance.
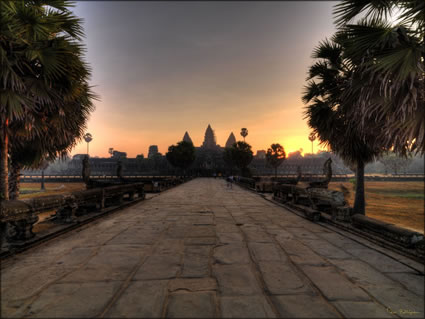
(388, 86)
(239, 155)
(62, 131)
(228, 158)
(181, 155)
(275, 156)
(328, 79)
(42, 74)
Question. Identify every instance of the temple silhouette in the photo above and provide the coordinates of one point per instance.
(210, 140)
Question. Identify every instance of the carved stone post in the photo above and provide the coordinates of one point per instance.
(102, 199)
(66, 214)
(119, 171)
(23, 228)
(86, 170)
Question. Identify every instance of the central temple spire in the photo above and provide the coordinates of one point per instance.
(209, 140)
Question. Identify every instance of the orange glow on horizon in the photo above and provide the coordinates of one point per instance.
(138, 145)
(176, 78)
(285, 126)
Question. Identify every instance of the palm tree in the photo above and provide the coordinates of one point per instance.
(244, 133)
(388, 86)
(275, 156)
(328, 78)
(42, 73)
(62, 132)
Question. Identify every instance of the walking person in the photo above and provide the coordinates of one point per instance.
(230, 181)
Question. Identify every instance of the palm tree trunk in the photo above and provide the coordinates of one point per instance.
(14, 181)
(275, 173)
(359, 200)
(4, 150)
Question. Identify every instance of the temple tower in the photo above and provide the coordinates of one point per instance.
(153, 150)
(209, 140)
(231, 140)
(186, 138)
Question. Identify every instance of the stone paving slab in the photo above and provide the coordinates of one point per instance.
(195, 266)
(227, 238)
(73, 300)
(363, 273)
(281, 279)
(266, 252)
(399, 301)
(304, 306)
(334, 285)
(246, 307)
(231, 254)
(412, 281)
(362, 309)
(159, 267)
(236, 280)
(202, 250)
(191, 305)
(141, 299)
(192, 284)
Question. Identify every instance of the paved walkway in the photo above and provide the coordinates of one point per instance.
(202, 250)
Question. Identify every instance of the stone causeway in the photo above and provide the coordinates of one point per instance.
(203, 250)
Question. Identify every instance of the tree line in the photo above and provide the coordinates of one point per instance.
(238, 156)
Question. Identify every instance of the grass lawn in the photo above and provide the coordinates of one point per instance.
(51, 189)
(400, 203)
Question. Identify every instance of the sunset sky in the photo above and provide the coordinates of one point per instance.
(163, 68)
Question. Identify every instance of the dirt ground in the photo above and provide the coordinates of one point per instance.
(400, 203)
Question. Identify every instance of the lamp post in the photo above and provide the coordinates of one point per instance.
(244, 133)
(312, 138)
(88, 138)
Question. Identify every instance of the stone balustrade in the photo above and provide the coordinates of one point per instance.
(312, 201)
(151, 184)
(17, 217)
(245, 182)
(402, 236)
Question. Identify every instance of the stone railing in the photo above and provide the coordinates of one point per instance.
(402, 236)
(313, 202)
(245, 182)
(318, 198)
(151, 184)
(159, 185)
(17, 217)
